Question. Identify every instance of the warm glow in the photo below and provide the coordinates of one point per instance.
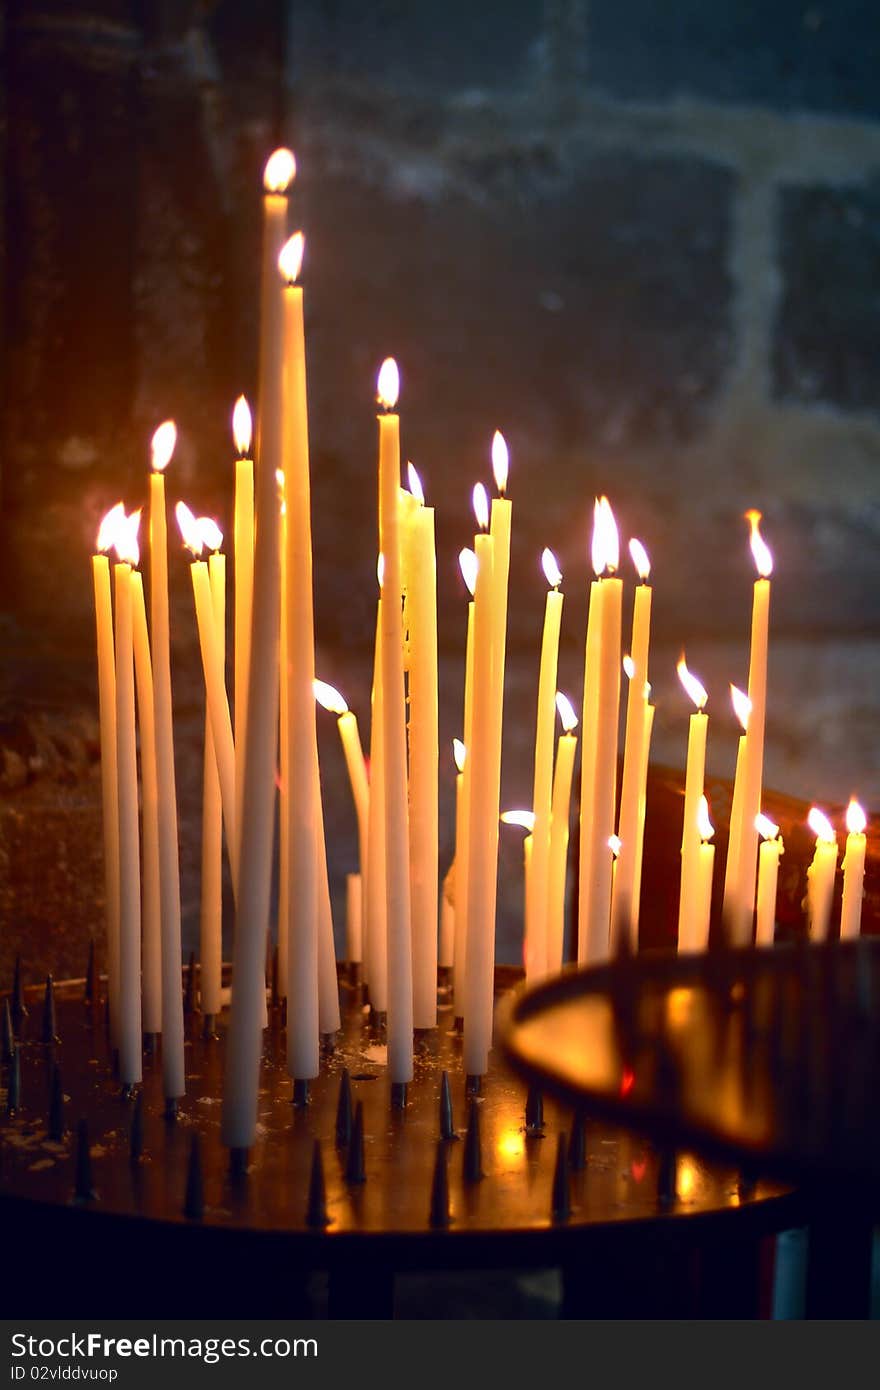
(510, 1143)
(566, 712)
(388, 384)
(694, 688)
(415, 484)
(615, 844)
(639, 556)
(704, 825)
(766, 828)
(551, 568)
(162, 445)
(190, 529)
(380, 570)
(821, 826)
(242, 427)
(500, 461)
(685, 1178)
(280, 171)
(481, 506)
(629, 667)
(329, 697)
(459, 753)
(110, 524)
(467, 563)
(742, 706)
(605, 548)
(856, 820)
(524, 818)
(763, 558)
(212, 536)
(291, 257)
(125, 539)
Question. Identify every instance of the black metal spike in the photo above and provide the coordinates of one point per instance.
(561, 1201)
(49, 1035)
(300, 1093)
(56, 1106)
(447, 1123)
(238, 1164)
(194, 1201)
(355, 1167)
(83, 1192)
(171, 1110)
(666, 1177)
(136, 1130)
(13, 1090)
(89, 993)
(189, 994)
(398, 1095)
(8, 1042)
(473, 1084)
(344, 1111)
(473, 1149)
(439, 1215)
(316, 1211)
(577, 1143)
(19, 1008)
(534, 1111)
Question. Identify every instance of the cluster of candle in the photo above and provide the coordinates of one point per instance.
(268, 740)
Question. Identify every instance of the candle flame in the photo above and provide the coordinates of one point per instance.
(388, 384)
(125, 537)
(742, 706)
(856, 820)
(639, 557)
(821, 826)
(212, 536)
(629, 667)
(380, 570)
(162, 445)
(459, 753)
(704, 825)
(190, 529)
(694, 688)
(109, 525)
(524, 818)
(615, 844)
(242, 427)
(415, 484)
(291, 257)
(606, 541)
(467, 563)
(500, 461)
(329, 697)
(280, 171)
(551, 568)
(481, 506)
(766, 828)
(760, 550)
(566, 712)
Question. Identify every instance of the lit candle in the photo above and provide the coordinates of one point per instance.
(632, 806)
(173, 1073)
(499, 530)
(130, 1041)
(467, 561)
(375, 949)
(640, 826)
(535, 948)
(742, 707)
(698, 939)
(284, 788)
(689, 904)
(853, 872)
(601, 711)
(331, 699)
(820, 875)
(211, 916)
(151, 918)
(744, 904)
(449, 904)
(397, 893)
(768, 875)
(559, 832)
(109, 788)
(243, 557)
(424, 756)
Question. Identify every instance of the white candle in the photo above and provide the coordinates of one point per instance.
(467, 561)
(535, 949)
(211, 914)
(173, 1072)
(328, 980)
(331, 699)
(631, 799)
(109, 788)
(130, 1070)
(768, 875)
(820, 875)
(376, 952)
(689, 905)
(742, 707)
(853, 872)
(243, 555)
(151, 918)
(526, 820)
(559, 832)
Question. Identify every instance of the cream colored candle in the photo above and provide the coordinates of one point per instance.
(328, 980)
(467, 561)
(630, 794)
(397, 889)
(697, 937)
(742, 708)
(354, 919)
(820, 875)
(535, 948)
(689, 904)
(151, 920)
(559, 832)
(853, 872)
(173, 1073)
(109, 775)
(130, 1070)
(211, 913)
(744, 904)
(376, 952)
(499, 529)
(526, 820)
(331, 699)
(452, 908)
(245, 1039)
(768, 876)
(640, 828)
(598, 800)
(243, 557)
(424, 752)
(284, 789)
(588, 756)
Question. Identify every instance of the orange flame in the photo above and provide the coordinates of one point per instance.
(125, 538)
(695, 689)
(189, 528)
(329, 697)
(459, 753)
(605, 548)
(380, 570)
(704, 825)
(388, 384)
(291, 258)
(109, 526)
(415, 484)
(742, 706)
(162, 445)
(524, 818)
(856, 820)
(760, 551)
(280, 171)
(629, 667)
(467, 563)
(551, 568)
(242, 427)
(481, 506)
(821, 826)
(766, 828)
(500, 461)
(566, 712)
(639, 557)
(615, 844)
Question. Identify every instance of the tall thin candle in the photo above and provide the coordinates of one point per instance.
(853, 872)
(820, 875)
(130, 1042)
(535, 952)
(109, 788)
(622, 902)
(243, 555)
(559, 832)
(467, 561)
(151, 921)
(690, 906)
(768, 876)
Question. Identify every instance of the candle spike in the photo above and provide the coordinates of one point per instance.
(300, 1093)
(355, 1168)
(8, 1039)
(13, 1089)
(473, 1151)
(56, 1106)
(344, 1111)
(83, 1191)
(136, 1130)
(316, 1211)
(534, 1112)
(398, 1095)
(666, 1177)
(577, 1143)
(48, 1033)
(447, 1123)
(89, 990)
(473, 1085)
(19, 1008)
(194, 1201)
(560, 1205)
(439, 1216)
(189, 996)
